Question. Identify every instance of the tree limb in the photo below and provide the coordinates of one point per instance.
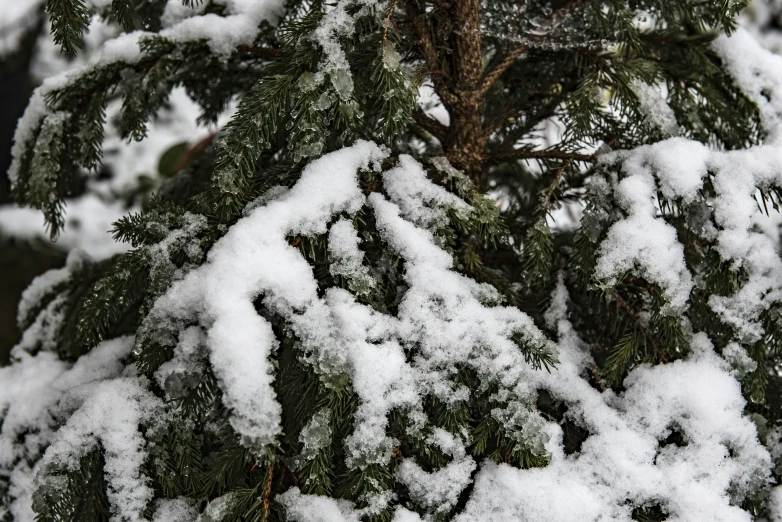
(430, 125)
(500, 67)
(429, 53)
(524, 154)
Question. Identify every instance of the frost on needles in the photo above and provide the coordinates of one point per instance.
(548, 288)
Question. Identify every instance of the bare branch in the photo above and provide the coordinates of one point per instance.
(430, 125)
(500, 67)
(429, 53)
(524, 154)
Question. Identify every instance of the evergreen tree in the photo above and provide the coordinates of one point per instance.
(550, 289)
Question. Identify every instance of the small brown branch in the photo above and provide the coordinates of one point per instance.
(194, 151)
(430, 125)
(524, 154)
(493, 74)
(267, 491)
(644, 330)
(388, 19)
(548, 192)
(263, 52)
(595, 371)
(429, 53)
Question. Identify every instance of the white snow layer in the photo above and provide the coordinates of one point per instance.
(655, 108)
(35, 391)
(677, 168)
(623, 463)
(446, 315)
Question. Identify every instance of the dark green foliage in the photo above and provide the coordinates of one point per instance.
(83, 497)
(70, 19)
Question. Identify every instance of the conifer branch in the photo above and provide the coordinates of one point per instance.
(259, 50)
(267, 491)
(439, 76)
(430, 125)
(493, 74)
(526, 154)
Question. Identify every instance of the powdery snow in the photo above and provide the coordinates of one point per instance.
(443, 313)
(677, 169)
(254, 258)
(30, 400)
(623, 463)
(314, 508)
(108, 413)
(623, 458)
(643, 240)
(653, 105)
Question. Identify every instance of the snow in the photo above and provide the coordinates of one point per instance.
(184, 365)
(438, 491)
(217, 509)
(44, 284)
(429, 102)
(90, 217)
(652, 103)
(338, 23)
(448, 318)
(757, 73)
(315, 508)
(222, 34)
(175, 510)
(347, 258)
(445, 314)
(740, 362)
(642, 240)
(255, 258)
(759, 18)
(19, 17)
(420, 200)
(30, 407)
(87, 224)
(108, 413)
(677, 169)
(622, 463)
(775, 504)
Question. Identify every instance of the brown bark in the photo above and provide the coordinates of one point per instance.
(466, 142)
(456, 68)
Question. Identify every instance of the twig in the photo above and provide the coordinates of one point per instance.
(523, 154)
(500, 67)
(430, 125)
(267, 491)
(388, 20)
(430, 54)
